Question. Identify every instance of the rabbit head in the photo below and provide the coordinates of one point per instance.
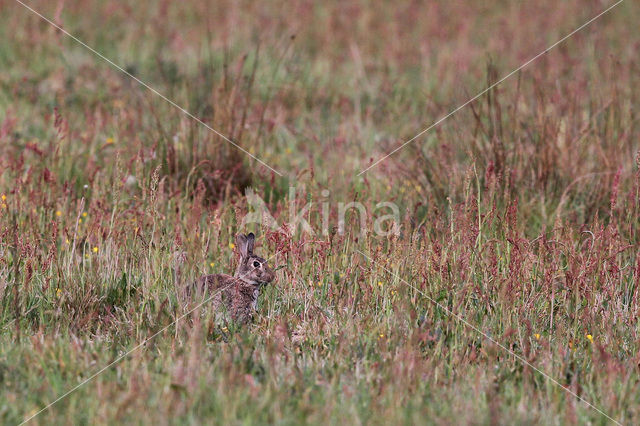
(252, 269)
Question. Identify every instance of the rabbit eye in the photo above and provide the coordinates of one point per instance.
(256, 264)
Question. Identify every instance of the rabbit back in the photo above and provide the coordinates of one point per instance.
(228, 293)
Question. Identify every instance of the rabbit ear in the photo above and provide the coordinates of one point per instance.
(243, 245)
(251, 240)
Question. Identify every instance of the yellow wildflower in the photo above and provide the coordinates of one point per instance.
(4, 197)
(95, 249)
(109, 140)
(58, 213)
(58, 293)
(212, 264)
(590, 337)
(537, 336)
(84, 214)
(232, 246)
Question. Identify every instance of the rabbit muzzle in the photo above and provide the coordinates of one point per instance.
(266, 276)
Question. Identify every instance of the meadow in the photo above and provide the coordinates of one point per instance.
(509, 294)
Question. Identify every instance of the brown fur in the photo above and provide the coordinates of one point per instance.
(231, 294)
(237, 295)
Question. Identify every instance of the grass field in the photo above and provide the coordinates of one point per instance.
(509, 293)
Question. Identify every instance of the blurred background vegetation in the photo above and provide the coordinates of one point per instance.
(519, 213)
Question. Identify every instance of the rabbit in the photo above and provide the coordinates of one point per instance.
(238, 295)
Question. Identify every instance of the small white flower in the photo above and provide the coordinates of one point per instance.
(131, 181)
